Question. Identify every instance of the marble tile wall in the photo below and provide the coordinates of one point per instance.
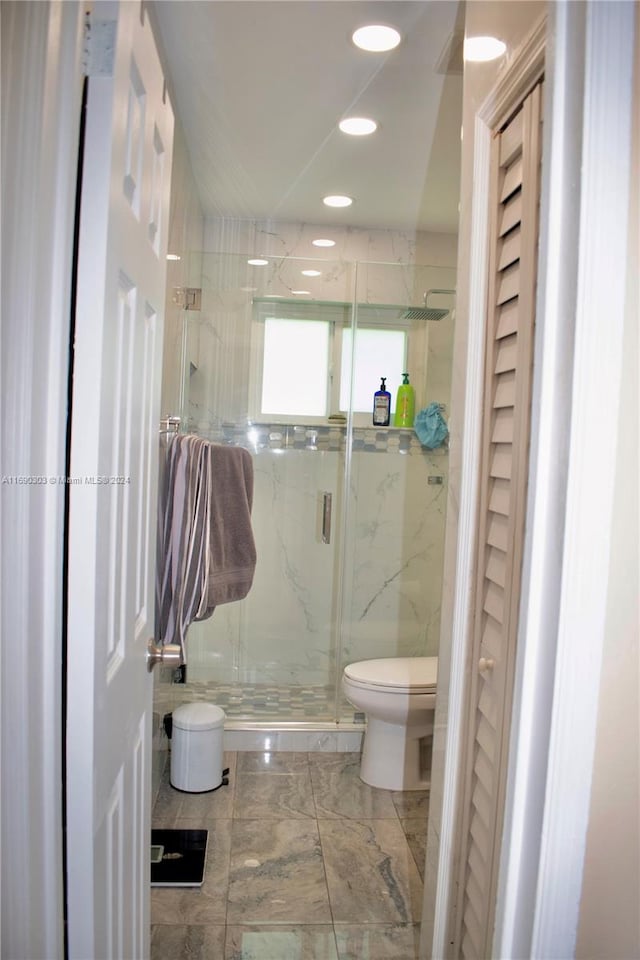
(394, 549)
(382, 593)
(223, 341)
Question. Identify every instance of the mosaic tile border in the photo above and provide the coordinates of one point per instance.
(270, 702)
(258, 437)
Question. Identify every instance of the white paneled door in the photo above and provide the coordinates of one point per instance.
(113, 483)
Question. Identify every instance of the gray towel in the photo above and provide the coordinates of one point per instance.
(206, 550)
(232, 551)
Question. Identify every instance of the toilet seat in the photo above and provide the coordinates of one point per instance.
(409, 675)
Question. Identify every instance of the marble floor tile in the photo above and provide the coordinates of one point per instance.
(371, 873)
(205, 904)
(416, 833)
(339, 793)
(304, 861)
(172, 804)
(213, 805)
(411, 803)
(281, 942)
(181, 942)
(167, 806)
(276, 873)
(378, 941)
(273, 796)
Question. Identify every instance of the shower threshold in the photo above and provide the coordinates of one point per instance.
(343, 736)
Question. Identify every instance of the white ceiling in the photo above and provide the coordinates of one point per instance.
(260, 85)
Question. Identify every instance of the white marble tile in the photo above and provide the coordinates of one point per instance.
(274, 740)
(394, 558)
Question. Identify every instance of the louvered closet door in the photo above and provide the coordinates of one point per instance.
(505, 442)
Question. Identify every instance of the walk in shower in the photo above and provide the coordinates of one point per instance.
(283, 356)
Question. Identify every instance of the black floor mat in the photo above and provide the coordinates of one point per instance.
(180, 861)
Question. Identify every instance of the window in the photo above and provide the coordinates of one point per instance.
(379, 353)
(303, 360)
(295, 368)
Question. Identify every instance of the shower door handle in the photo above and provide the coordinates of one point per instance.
(326, 518)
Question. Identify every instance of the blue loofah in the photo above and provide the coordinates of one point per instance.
(430, 426)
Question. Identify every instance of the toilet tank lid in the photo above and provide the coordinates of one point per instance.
(395, 671)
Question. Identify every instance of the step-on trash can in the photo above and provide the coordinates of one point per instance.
(196, 747)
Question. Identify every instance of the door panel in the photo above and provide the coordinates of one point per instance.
(503, 483)
(113, 484)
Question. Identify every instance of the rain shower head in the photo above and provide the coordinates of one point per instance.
(426, 312)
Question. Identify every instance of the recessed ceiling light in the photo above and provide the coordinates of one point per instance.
(249, 289)
(338, 201)
(482, 49)
(301, 293)
(321, 242)
(311, 273)
(258, 262)
(172, 256)
(358, 126)
(376, 37)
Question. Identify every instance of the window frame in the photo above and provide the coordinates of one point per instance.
(339, 318)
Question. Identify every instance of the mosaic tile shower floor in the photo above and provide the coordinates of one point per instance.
(304, 861)
(259, 701)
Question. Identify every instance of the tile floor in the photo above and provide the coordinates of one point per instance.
(304, 861)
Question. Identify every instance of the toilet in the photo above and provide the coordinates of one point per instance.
(398, 695)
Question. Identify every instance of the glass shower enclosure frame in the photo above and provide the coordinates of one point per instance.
(348, 518)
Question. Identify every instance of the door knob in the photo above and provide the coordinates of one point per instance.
(485, 663)
(170, 654)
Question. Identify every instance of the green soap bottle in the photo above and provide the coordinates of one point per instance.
(405, 404)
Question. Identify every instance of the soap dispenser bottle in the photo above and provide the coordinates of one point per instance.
(405, 404)
(381, 406)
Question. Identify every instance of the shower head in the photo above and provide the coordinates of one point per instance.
(426, 312)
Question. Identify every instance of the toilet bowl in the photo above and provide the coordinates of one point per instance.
(398, 695)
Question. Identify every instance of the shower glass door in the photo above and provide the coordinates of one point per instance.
(286, 364)
(262, 373)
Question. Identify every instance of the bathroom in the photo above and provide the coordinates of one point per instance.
(373, 590)
(568, 869)
(368, 587)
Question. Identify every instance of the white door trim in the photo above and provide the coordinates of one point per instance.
(601, 238)
(41, 96)
(588, 107)
(522, 75)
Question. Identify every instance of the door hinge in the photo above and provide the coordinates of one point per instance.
(189, 298)
(99, 47)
